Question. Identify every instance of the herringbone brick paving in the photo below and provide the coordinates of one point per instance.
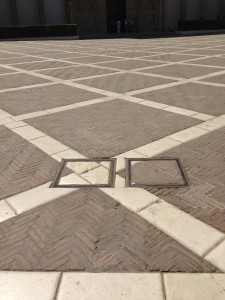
(108, 129)
(17, 80)
(121, 83)
(204, 162)
(22, 165)
(87, 230)
(75, 72)
(37, 98)
(192, 96)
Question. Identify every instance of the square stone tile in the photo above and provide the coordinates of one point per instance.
(76, 72)
(216, 256)
(27, 285)
(111, 287)
(121, 83)
(130, 64)
(194, 286)
(17, 80)
(42, 65)
(45, 97)
(157, 172)
(182, 71)
(110, 128)
(196, 97)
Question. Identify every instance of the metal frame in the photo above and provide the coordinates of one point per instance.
(111, 179)
(129, 173)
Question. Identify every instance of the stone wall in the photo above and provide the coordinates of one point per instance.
(91, 15)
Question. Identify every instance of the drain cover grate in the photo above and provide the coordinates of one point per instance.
(157, 172)
(85, 173)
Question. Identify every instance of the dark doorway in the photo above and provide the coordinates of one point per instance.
(116, 10)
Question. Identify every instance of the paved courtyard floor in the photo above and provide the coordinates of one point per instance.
(112, 169)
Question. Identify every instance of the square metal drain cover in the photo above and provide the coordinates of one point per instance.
(157, 172)
(85, 173)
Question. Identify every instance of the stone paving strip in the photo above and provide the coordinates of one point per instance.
(70, 286)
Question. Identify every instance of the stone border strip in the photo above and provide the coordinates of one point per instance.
(111, 286)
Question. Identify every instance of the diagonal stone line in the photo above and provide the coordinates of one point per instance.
(148, 209)
(150, 215)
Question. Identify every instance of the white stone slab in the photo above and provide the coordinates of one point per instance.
(194, 286)
(61, 108)
(217, 256)
(69, 154)
(37, 196)
(106, 286)
(97, 176)
(82, 167)
(153, 104)
(120, 182)
(203, 117)
(180, 111)
(72, 179)
(4, 114)
(6, 121)
(188, 134)
(16, 124)
(134, 199)
(5, 211)
(158, 147)
(213, 124)
(28, 132)
(28, 285)
(190, 232)
(30, 115)
(49, 145)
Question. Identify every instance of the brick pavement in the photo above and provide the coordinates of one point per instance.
(23, 166)
(88, 230)
(108, 129)
(38, 98)
(112, 113)
(202, 98)
(204, 162)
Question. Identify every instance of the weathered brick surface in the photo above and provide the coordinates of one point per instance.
(107, 129)
(182, 71)
(75, 72)
(197, 97)
(46, 97)
(204, 162)
(22, 165)
(121, 83)
(87, 230)
(17, 80)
